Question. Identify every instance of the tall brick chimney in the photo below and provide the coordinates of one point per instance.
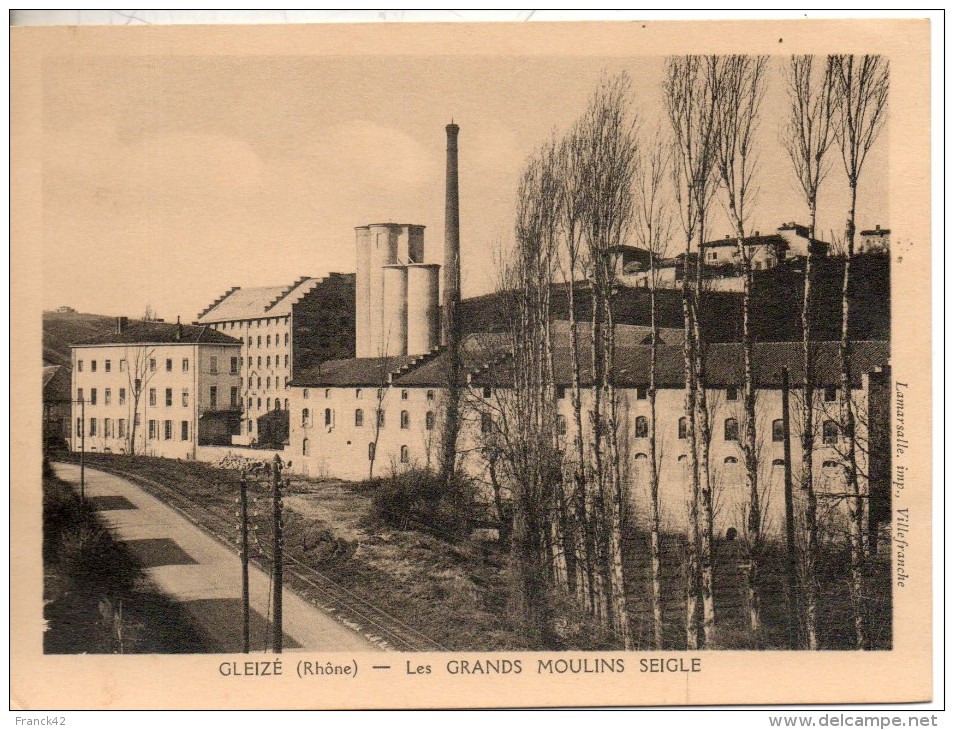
(451, 293)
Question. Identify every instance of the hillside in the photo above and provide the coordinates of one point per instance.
(62, 329)
(776, 306)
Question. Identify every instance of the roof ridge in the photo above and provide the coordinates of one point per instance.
(286, 291)
(415, 362)
(217, 302)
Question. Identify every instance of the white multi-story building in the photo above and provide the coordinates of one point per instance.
(282, 328)
(155, 388)
(337, 430)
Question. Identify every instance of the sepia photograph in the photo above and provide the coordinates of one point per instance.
(416, 354)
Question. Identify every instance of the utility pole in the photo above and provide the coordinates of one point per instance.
(82, 401)
(243, 497)
(791, 573)
(277, 567)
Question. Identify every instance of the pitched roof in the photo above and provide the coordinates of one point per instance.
(773, 239)
(355, 371)
(162, 333)
(723, 364)
(256, 302)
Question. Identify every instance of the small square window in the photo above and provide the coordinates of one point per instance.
(830, 394)
(486, 392)
(641, 392)
(731, 393)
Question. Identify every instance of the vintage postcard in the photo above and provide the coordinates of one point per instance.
(422, 366)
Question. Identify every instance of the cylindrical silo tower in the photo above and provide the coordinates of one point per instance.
(394, 310)
(383, 247)
(362, 294)
(415, 245)
(423, 311)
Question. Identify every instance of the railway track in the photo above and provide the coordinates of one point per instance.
(380, 627)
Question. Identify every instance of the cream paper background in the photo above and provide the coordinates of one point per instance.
(186, 682)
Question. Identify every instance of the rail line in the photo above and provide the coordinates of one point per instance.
(341, 603)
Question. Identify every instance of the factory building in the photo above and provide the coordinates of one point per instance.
(282, 328)
(373, 416)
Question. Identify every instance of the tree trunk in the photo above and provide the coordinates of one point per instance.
(754, 521)
(655, 555)
(855, 499)
(809, 578)
(703, 439)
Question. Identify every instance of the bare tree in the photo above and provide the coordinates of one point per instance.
(807, 136)
(588, 580)
(739, 84)
(609, 131)
(861, 87)
(653, 230)
(140, 368)
(690, 105)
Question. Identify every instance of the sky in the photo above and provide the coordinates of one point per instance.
(169, 179)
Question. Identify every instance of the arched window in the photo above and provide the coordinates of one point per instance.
(258, 382)
(371, 449)
(830, 432)
(268, 404)
(305, 448)
(278, 404)
(429, 420)
(328, 417)
(304, 393)
(305, 418)
(683, 426)
(268, 361)
(731, 429)
(286, 404)
(258, 403)
(327, 392)
(729, 460)
(405, 420)
(778, 431)
(358, 417)
(259, 361)
(405, 456)
(641, 458)
(561, 424)
(642, 427)
(778, 462)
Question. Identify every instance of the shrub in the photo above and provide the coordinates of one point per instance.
(417, 499)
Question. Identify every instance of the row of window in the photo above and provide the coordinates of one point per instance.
(268, 382)
(730, 432)
(405, 452)
(829, 465)
(359, 393)
(121, 431)
(268, 361)
(213, 365)
(405, 418)
(222, 326)
(268, 341)
(268, 404)
(153, 396)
